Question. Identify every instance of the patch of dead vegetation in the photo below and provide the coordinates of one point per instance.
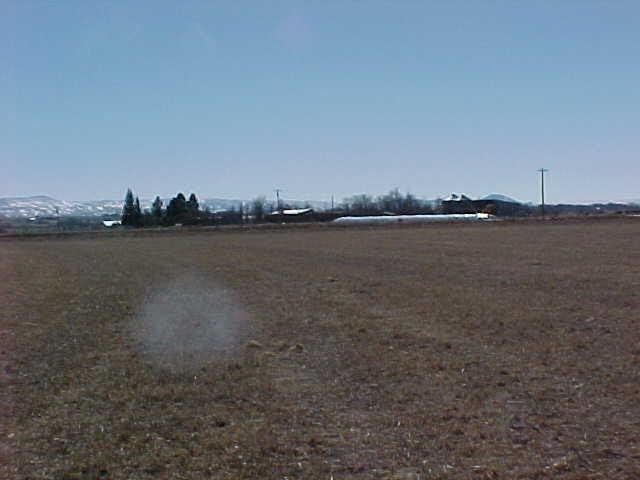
(476, 351)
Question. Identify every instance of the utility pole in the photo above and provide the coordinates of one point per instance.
(332, 202)
(278, 203)
(542, 170)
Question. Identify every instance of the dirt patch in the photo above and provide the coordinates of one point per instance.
(9, 297)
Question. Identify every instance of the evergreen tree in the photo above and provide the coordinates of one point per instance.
(193, 209)
(137, 214)
(156, 210)
(192, 204)
(128, 210)
(177, 209)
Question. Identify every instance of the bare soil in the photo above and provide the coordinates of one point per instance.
(441, 351)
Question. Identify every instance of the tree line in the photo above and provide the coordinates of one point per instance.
(394, 202)
(183, 211)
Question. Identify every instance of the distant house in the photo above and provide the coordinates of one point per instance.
(111, 223)
(458, 204)
(455, 204)
(292, 215)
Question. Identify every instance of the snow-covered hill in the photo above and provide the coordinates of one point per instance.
(44, 206)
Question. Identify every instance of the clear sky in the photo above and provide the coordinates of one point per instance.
(234, 99)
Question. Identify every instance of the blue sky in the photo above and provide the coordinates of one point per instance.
(235, 99)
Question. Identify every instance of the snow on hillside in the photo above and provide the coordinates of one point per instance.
(44, 206)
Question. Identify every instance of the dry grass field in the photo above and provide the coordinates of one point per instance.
(443, 351)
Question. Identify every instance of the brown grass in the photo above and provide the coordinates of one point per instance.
(450, 351)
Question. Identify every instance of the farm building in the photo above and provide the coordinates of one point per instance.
(461, 204)
(111, 223)
(457, 204)
(291, 215)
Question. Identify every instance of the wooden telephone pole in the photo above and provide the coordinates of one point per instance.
(542, 171)
(278, 203)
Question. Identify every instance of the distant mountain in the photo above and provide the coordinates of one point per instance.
(44, 206)
(499, 197)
